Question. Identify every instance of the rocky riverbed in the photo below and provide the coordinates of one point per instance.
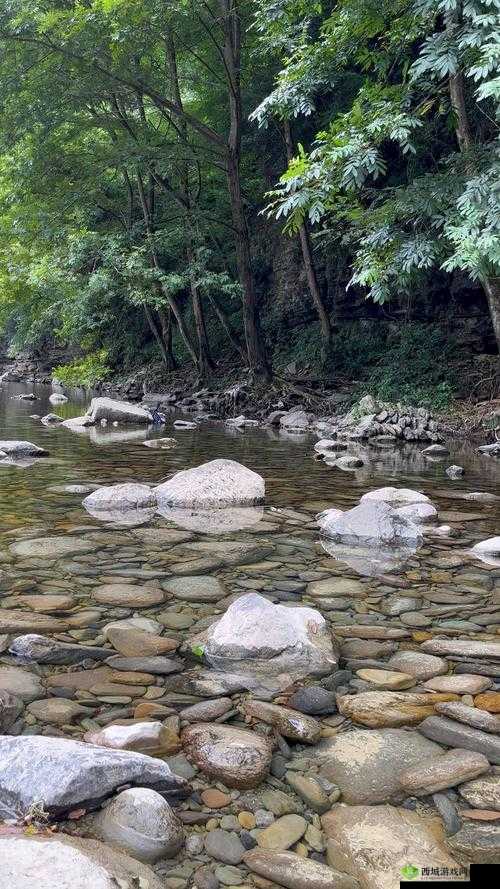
(282, 674)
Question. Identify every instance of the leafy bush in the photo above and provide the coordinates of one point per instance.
(85, 371)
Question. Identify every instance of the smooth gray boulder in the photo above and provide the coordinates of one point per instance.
(120, 411)
(142, 823)
(22, 449)
(57, 398)
(64, 774)
(69, 863)
(371, 522)
(295, 419)
(118, 497)
(395, 497)
(257, 638)
(215, 485)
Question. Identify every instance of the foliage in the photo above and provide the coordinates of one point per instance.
(84, 371)
(137, 147)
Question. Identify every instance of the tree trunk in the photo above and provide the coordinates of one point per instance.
(463, 132)
(312, 280)
(205, 361)
(166, 320)
(170, 298)
(491, 286)
(224, 321)
(257, 358)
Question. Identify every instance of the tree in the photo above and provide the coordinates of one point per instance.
(420, 69)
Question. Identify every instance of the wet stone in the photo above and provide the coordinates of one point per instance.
(224, 846)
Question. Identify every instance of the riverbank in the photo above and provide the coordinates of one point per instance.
(142, 709)
(234, 396)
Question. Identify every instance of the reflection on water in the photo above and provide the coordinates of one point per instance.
(213, 521)
(104, 455)
(368, 561)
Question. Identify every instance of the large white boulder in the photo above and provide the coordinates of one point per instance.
(371, 521)
(119, 411)
(488, 550)
(57, 398)
(213, 485)
(395, 497)
(64, 774)
(256, 637)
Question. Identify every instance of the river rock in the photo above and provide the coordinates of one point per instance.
(395, 497)
(487, 549)
(297, 640)
(294, 872)
(22, 449)
(419, 513)
(11, 708)
(152, 738)
(462, 647)
(214, 485)
(282, 833)
(102, 408)
(206, 711)
(373, 522)
(460, 684)
(386, 708)
(472, 716)
(237, 757)
(455, 734)
(66, 774)
(115, 498)
(289, 723)
(52, 547)
(127, 595)
(386, 679)
(69, 863)
(310, 790)
(57, 398)
(161, 666)
(296, 420)
(142, 823)
(365, 765)
(13, 620)
(46, 604)
(42, 650)
(224, 846)
(195, 589)
(374, 843)
(489, 701)
(313, 699)
(20, 683)
(51, 419)
(448, 770)
(57, 711)
(476, 843)
(420, 666)
(162, 444)
(483, 793)
(132, 642)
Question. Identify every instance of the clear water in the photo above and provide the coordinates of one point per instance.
(293, 477)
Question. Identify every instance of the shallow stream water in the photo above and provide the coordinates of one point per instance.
(112, 572)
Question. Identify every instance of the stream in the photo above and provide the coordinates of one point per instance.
(173, 579)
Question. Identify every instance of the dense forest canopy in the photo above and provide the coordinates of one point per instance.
(149, 150)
